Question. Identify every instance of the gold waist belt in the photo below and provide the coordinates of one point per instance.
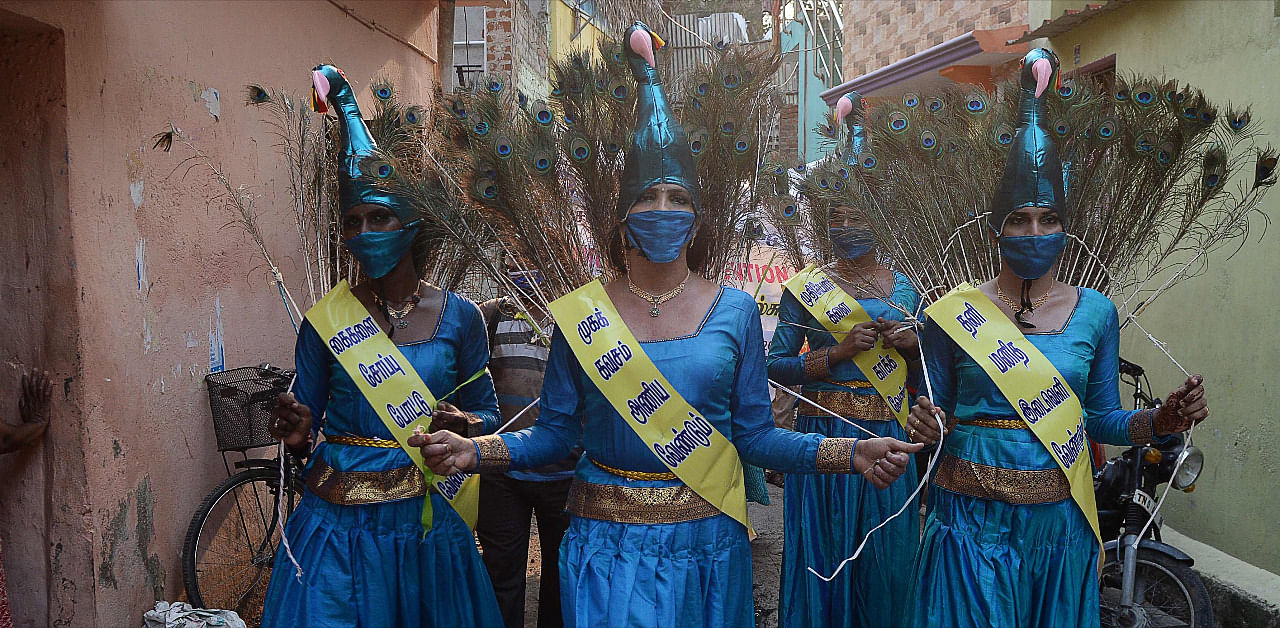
(1013, 486)
(361, 441)
(847, 403)
(349, 488)
(1002, 424)
(635, 504)
(635, 475)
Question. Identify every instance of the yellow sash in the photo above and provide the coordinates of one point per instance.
(392, 386)
(681, 437)
(838, 312)
(1035, 389)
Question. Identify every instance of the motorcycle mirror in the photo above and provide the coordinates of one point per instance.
(1189, 465)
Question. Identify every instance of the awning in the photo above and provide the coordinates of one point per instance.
(1069, 19)
(967, 58)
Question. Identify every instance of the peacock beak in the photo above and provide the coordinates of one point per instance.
(319, 92)
(1043, 71)
(658, 44)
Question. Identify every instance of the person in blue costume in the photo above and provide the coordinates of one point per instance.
(1004, 544)
(827, 516)
(644, 549)
(357, 532)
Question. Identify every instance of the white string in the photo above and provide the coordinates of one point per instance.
(280, 497)
(933, 460)
(923, 482)
(518, 415)
(815, 404)
(1186, 442)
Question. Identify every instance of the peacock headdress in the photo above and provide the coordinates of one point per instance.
(1032, 170)
(660, 151)
(330, 88)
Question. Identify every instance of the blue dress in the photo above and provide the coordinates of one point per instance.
(987, 562)
(826, 516)
(369, 565)
(663, 575)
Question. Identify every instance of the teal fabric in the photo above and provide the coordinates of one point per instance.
(369, 565)
(1032, 170)
(989, 563)
(826, 516)
(659, 150)
(357, 144)
(695, 573)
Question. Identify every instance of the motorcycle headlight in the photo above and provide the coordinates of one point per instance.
(1190, 463)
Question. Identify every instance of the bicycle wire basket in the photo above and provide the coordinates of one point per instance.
(241, 400)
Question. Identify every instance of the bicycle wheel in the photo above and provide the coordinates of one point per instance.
(1166, 593)
(231, 543)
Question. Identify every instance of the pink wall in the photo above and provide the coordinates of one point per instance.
(93, 519)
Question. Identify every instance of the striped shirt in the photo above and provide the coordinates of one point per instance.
(517, 361)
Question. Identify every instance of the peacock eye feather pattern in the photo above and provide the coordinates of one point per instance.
(1154, 179)
(256, 95)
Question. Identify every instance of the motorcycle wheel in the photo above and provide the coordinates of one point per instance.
(1167, 593)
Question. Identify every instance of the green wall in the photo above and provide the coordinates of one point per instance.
(1224, 323)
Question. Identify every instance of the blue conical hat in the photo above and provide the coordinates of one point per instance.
(1032, 170)
(659, 149)
(330, 87)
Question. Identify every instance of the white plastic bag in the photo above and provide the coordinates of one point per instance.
(181, 615)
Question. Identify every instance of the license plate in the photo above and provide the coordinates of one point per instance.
(1147, 503)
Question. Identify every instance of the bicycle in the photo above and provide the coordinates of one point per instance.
(231, 542)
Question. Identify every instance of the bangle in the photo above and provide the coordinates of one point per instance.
(817, 364)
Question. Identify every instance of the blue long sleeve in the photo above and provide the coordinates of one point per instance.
(940, 360)
(558, 429)
(785, 362)
(478, 396)
(758, 440)
(311, 361)
(1105, 419)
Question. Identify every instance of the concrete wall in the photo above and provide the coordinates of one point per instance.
(122, 276)
(1223, 323)
(880, 32)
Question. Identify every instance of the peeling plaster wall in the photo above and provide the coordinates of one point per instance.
(164, 286)
(42, 525)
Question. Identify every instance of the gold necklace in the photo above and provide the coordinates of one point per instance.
(1015, 306)
(400, 313)
(657, 299)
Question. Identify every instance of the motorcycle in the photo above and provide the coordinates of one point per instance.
(1148, 583)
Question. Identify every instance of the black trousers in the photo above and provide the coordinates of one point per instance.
(506, 506)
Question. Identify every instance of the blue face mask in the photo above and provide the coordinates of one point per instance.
(380, 251)
(660, 234)
(1031, 257)
(851, 242)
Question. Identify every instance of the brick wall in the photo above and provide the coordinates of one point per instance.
(497, 40)
(880, 32)
(516, 44)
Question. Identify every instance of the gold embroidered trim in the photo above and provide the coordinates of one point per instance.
(475, 425)
(816, 365)
(848, 404)
(361, 441)
(835, 455)
(348, 488)
(637, 504)
(494, 455)
(1142, 427)
(1013, 486)
(1001, 424)
(650, 476)
(853, 383)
